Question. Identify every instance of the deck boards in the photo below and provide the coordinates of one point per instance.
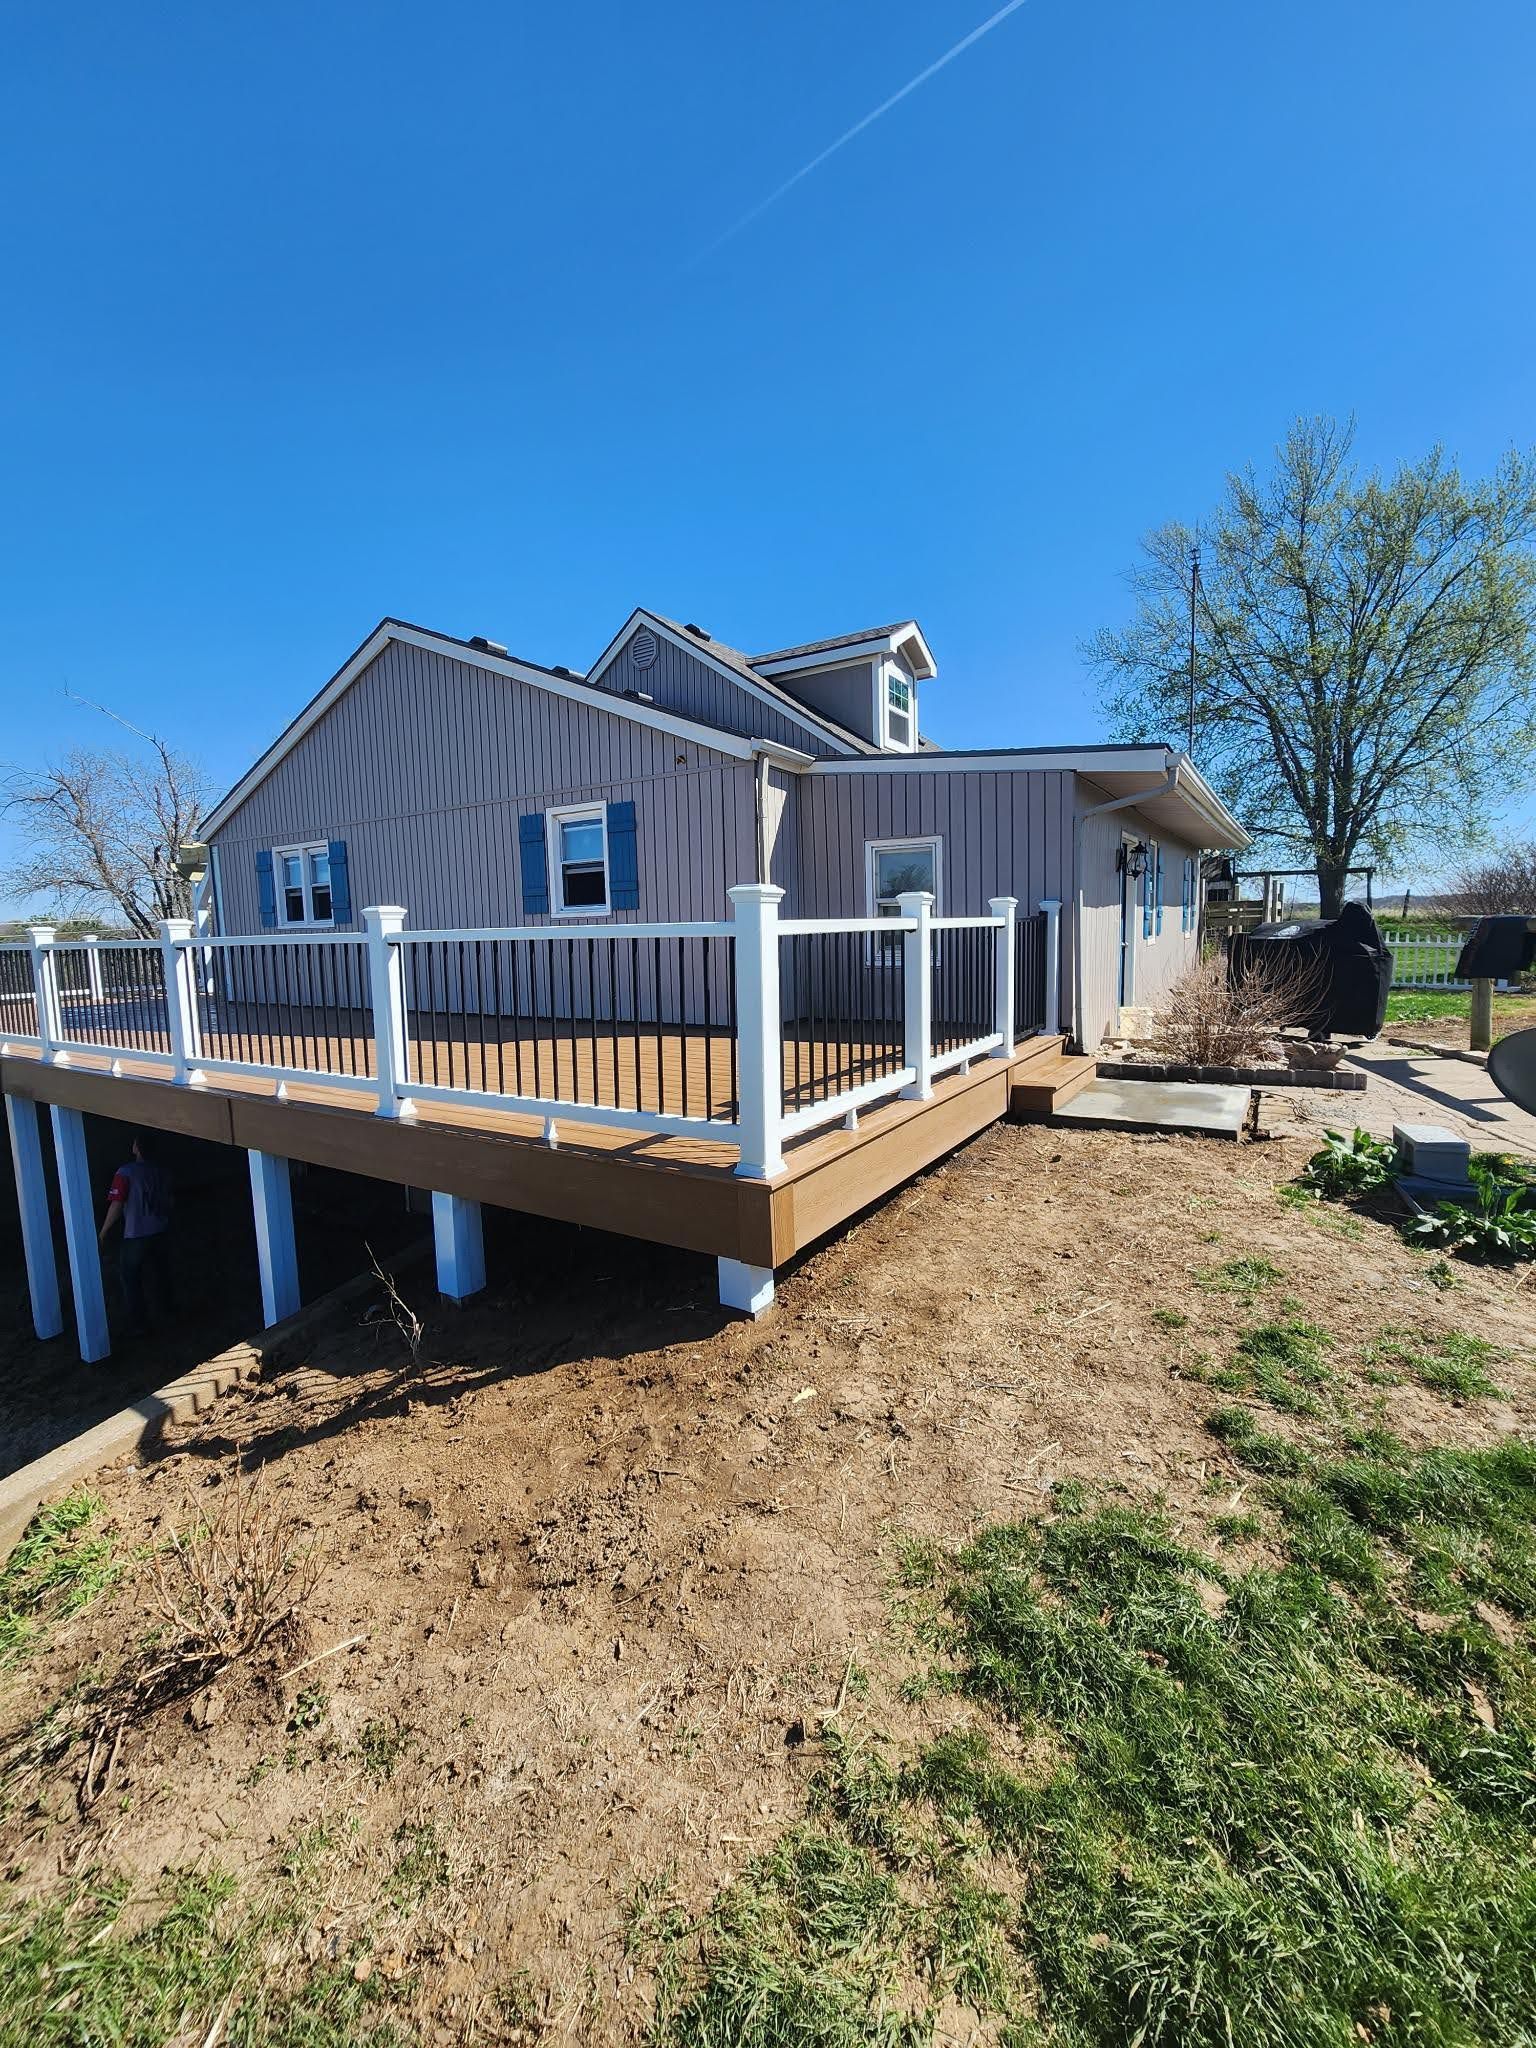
(671, 1190)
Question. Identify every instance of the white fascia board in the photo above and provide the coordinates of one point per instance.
(1114, 761)
(731, 744)
(1197, 792)
(772, 698)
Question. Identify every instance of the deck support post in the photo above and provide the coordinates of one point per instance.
(276, 1252)
(759, 1052)
(1051, 905)
(386, 983)
(747, 1289)
(80, 1232)
(917, 986)
(45, 989)
(1005, 907)
(459, 1241)
(179, 972)
(21, 1116)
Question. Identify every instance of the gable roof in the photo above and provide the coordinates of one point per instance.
(559, 683)
(730, 661)
(868, 639)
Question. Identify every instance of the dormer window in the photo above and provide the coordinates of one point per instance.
(900, 712)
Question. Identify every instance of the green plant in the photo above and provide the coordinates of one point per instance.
(1498, 1227)
(1170, 1319)
(1248, 1275)
(62, 1563)
(1348, 1167)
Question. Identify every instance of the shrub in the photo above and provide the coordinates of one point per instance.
(1212, 1020)
(1352, 1166)
(1497, 1228)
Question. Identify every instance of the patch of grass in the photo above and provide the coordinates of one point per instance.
(89, 1966)
(419, 1863)
(1256, 1448)
(62, 1563)
(1452, 1364)
(1284, 1362)
(1248, 1275)
(1236, 1528)
(919, 1561)
(383, 1746)
(1170, 1319)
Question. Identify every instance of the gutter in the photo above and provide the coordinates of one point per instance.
(1166, 787)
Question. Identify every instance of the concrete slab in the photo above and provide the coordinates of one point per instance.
(1192, 1106)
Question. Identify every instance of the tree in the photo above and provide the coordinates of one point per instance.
(1365, 659)
(1503, 885)
(103, 829)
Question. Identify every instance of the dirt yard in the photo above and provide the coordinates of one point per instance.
(606, 1563)
(1510, 1013)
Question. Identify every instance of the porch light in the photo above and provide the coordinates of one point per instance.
(1132, 860)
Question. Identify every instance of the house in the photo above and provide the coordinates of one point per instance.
(478, 789)
(709, 948)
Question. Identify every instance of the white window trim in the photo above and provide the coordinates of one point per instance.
(570, 814)
(303, 849)
(887, 672)
(924, 842)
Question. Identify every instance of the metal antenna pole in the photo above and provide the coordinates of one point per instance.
(1194, 585)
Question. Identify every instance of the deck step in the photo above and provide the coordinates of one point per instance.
(1044, 1085)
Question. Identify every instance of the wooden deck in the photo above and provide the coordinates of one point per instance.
(670, 1190)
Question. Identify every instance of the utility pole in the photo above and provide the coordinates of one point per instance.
(1194, 585)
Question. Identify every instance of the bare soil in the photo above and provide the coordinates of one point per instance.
(611, 1557)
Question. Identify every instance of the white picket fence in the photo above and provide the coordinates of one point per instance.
(1423, 958)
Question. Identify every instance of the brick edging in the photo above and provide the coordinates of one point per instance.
(1250, 1077)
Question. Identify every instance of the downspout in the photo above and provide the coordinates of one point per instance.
(760, 812)
(1166, 787)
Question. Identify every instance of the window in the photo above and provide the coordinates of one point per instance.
(1152, 891)
(900, 711)
(303, 876)
(578, 860)
(896, 866)
(1191, 895)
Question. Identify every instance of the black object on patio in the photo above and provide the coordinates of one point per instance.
(1355, 962)
(1498, 949)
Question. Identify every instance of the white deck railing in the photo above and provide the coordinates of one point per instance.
(697, 1030)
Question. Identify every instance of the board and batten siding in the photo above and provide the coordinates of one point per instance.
(678, 681)
(1158, 961)
(425, 765)
(1004, 832)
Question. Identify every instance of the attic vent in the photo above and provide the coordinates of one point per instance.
(560, 669)
(698, 632)
(486, 646)
(643, 649)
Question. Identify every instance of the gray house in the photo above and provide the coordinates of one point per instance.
(482, 790)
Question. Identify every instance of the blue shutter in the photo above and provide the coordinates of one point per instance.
(623, 858)
(1190, 892)
(341, 882)
(1148, 884)
(266, 889)
(1158, 864)
(534, 861)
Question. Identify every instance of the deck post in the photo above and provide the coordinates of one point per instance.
(747, 1289)
(179, 972)
(1051, 905)
(759, 1055)
(459, 1241)
(92, 944)
(21, 1116)
(1005, 907)
(80, 1232)
(45, 987)
(386, 984)
(917, 985)
(276, 1252)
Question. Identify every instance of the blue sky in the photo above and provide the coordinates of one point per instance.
(319, 313)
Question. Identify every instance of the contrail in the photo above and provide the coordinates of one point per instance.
(858, 128)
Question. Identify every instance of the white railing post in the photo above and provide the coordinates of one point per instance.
(45, 989)
(180, 980)
(386, 985)
(1005, 907)
(92, 942)
(1051, 905)
(759, 1056)
(917, 993)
